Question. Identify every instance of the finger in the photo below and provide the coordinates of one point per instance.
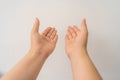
(36, 26)
(46, 31)
(53, 34)
(55, 38)
(76, 29)
(66, 36)
(69, 35)
(84, 26)
(72, 32)
(50, 32)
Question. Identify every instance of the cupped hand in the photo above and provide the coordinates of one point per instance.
(76, 39)
(45, 42)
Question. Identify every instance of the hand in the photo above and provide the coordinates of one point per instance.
(76, 39)
(45, 42)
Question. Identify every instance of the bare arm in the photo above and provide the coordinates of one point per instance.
(42, 46)
(76, 43)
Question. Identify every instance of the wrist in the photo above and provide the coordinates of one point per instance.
(37, 53)
(80, 52)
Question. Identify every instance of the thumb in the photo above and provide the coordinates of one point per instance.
(35, 28)
(84, 26)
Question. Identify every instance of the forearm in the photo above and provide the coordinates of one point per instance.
(42, 46)
(28, 68)
(82, 67)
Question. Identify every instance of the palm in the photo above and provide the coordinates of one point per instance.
(76, 39)
(43, 42)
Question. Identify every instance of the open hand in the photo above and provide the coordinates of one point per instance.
(76, 39)
(44, 42)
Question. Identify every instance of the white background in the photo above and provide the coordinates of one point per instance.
(103, 19)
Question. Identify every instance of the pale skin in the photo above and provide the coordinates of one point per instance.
(76, 49)
(43, 44)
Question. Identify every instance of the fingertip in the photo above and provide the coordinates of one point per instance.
(36, 26)
(37, 20)
(84, 19)
(56, 38)
(55, 30)
(46, 31)
(84, 22)
(69, 27)
(76, 28)
(54, 33)
(84, 26)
